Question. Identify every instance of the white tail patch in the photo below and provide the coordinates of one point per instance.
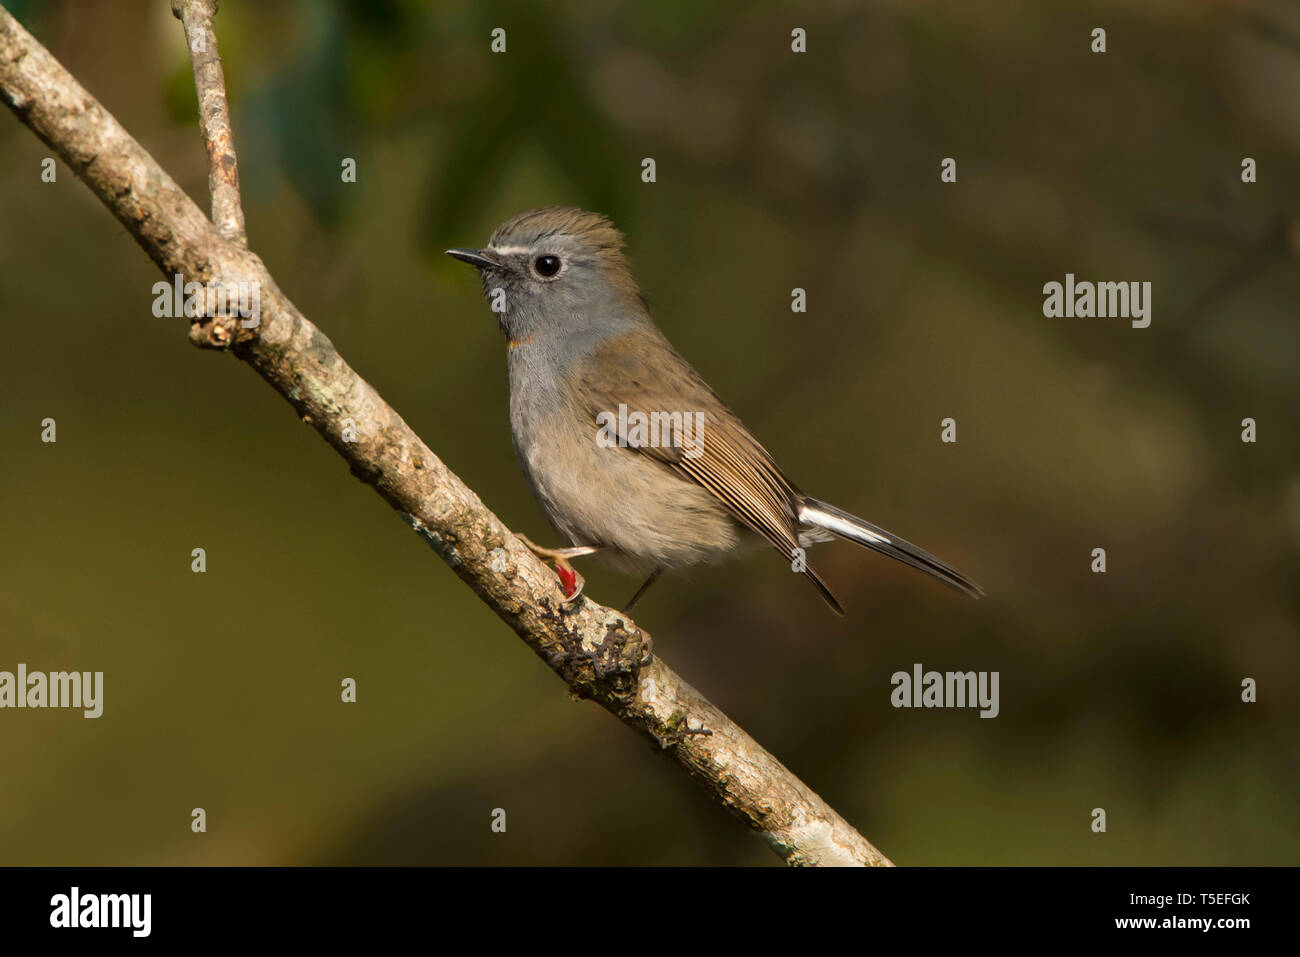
(811, 515)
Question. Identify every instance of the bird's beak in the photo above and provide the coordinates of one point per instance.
(475, 257)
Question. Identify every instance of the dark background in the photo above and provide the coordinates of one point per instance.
(775, 170)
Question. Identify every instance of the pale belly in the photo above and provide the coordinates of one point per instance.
(642, 515)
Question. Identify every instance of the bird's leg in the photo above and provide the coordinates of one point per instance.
(571, 580)
(645, 586)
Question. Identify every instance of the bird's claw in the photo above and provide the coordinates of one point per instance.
(571, 580)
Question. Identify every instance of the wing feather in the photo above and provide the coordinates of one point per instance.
(730, 464)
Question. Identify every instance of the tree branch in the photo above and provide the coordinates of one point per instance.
(601, 654)
(214, 116)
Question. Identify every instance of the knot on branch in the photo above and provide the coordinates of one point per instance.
(610, 670)
(20, 101)
(213, 333)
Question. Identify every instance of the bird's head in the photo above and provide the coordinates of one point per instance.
(556, 271)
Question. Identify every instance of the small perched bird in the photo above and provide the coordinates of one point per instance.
(628, 450)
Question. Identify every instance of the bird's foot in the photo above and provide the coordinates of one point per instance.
(571, 580)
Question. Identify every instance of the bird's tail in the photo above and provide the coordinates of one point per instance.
(823, 515)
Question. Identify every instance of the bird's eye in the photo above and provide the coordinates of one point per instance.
(547, 265)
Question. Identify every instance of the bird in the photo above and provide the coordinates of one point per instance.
(629, 452)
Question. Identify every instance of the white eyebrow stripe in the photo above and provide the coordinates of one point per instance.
(510, 250)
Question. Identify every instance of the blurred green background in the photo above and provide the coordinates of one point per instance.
(775, 170)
